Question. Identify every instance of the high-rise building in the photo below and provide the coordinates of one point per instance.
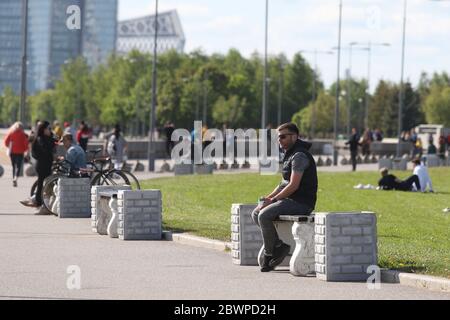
(10, 44)
(138, 34)
(51, 43)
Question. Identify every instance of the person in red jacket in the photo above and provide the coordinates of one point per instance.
(17, 143)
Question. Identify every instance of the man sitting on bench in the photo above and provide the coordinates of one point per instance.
(295, 195)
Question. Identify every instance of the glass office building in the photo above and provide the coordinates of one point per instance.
(50, 43)
(10, 43)
(138, 34)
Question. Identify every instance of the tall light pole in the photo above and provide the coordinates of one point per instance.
(23, 83)
(401, 92)
(280, 91)
(338, 89)
(315, 52)
(264, 98)
(205, 99)
(151, 147)
(349, 82)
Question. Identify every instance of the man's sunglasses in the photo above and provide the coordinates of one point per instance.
(283, 136)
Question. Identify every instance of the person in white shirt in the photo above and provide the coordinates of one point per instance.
(421, 171)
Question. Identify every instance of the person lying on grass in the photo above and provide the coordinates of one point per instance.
(391, 182)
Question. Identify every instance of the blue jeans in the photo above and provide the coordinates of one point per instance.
(264, 219)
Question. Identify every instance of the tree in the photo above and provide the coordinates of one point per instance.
(10, 107)
(324, 125)
(437, 105)
(43, 106)
(298, 79)
(73, 91)
(226, 111)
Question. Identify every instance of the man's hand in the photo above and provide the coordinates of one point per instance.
(267, 202)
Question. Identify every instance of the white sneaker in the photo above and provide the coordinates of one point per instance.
(446, 210)
(359, 186)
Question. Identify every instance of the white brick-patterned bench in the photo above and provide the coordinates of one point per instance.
(72, 198)
(298, 232)
(137, 213)
(101, 212)
(140, 215)
(346, 245)
(247, 244)
(338, 246)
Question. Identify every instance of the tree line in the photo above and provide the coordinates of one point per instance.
(225, 89)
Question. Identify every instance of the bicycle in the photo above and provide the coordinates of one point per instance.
(58, 167)
(101, 173)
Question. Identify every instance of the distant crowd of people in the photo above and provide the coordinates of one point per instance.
(355, 141)
(417, 149)
(40, 146)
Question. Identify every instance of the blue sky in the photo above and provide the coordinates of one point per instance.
(218, 25)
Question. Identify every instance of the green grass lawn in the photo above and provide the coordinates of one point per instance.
(413, 232)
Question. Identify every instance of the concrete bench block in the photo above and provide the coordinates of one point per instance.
(346, 246)
(73, 198)
(183, 169)
(203, 169)
(139, 215)
(385, 163)
(248, 239)
(433, 161)
(400, 164)
(101, 212)
(300, 236)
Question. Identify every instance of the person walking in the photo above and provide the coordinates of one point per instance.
(354, 143)
(169, 128)
(17, 143)
(117, 147)
(83, 135)
(43, 149)
(366, 141)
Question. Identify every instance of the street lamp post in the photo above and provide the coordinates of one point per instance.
(205, 99)
(315, 52)
(151, 147)
(336, 112)
(349, 82)
(23, 84)
(280, 91)
(401, 92)
(264, 98)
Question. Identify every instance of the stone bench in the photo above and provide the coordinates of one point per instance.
(345, 245)
(100, 209)
(108, 213)
(71, 198)
(127, 214)
(338, 246)
(298, 232)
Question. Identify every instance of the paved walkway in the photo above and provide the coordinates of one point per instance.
(37, 250)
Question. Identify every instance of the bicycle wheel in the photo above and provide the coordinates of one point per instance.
(33, 188)
(48, 194)
(110, 178)
(134, 182)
